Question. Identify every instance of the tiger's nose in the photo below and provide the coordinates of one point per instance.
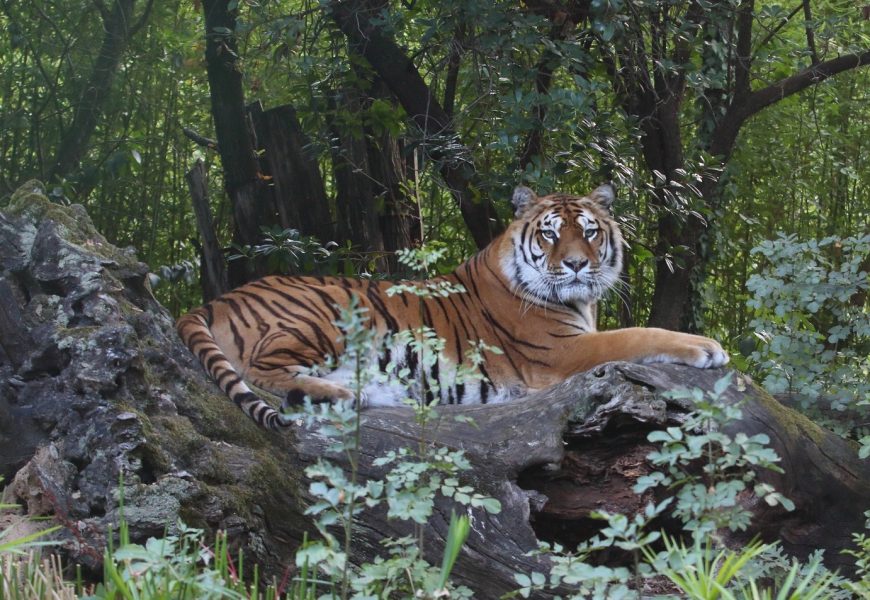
(574, 264)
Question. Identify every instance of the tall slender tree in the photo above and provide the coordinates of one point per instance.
(120, 24)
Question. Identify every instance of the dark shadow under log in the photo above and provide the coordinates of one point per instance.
(94, 384)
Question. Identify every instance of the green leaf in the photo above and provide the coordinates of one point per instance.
(456, 535)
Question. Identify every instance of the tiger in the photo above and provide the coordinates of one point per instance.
(532, 293)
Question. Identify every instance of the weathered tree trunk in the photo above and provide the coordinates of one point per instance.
(213, 267)
(243, 180)
(95, 384)
(357, 216)
(398, 214)
(292, 171)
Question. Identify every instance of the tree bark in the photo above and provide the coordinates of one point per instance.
(243, 181)
(356, 213)
(398, 214)
(292, 172)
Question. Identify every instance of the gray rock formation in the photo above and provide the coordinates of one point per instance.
(95, 387)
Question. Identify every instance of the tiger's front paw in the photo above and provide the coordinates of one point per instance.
(693, 350)
(708, 354)
(700, 352)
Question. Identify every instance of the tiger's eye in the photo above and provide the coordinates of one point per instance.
(590, 234)
(549, 234)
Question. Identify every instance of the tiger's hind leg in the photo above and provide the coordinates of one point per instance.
(319, 390)
(293, 385)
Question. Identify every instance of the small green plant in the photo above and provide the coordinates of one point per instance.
(860, 587)
(416, 476)
(588, 580)
(704, 572)
(180, 566)
(176, 567)
(285, 250)
(708, 501)
(701, 572)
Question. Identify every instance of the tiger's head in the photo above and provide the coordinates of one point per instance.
(563, 248)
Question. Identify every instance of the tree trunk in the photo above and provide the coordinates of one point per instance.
(401, 76)
(398, 214)
(243, 181)
(99, 386)
(356, 214)
(213, 267)
(292, 171)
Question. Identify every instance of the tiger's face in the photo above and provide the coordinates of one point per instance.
(565, 248)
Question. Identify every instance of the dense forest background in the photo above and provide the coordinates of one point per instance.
(332, 133)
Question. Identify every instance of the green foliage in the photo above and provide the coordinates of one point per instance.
(709, 500)
(815, 336)
(704, 573)
(598, 582)
(285, 251)
(709, 473)
(176, 567)
(861, 587)
(182, 566)
(701, 573)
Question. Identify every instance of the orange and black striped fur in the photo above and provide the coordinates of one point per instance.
(532, 292)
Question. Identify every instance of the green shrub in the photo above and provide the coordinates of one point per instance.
(813, 320)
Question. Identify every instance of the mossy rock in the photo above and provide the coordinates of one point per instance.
(31, 204)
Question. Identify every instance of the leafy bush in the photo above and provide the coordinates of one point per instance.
(813, 320)
(709, 501)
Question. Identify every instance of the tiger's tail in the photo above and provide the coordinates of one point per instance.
(193, 329)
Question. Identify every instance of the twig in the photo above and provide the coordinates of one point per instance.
(200, 139)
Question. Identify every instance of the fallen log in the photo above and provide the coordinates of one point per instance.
(96, 389)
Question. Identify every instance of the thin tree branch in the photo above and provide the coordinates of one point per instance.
(811, 35)
(745, 15)
(776, 29)
(755, 102)
(200, 139)
(143, 18)
(456, 51)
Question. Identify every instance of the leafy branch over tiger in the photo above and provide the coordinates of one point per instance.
(532, 293)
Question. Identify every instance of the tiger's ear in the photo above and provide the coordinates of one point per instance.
(603, 195)
(523, 198)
